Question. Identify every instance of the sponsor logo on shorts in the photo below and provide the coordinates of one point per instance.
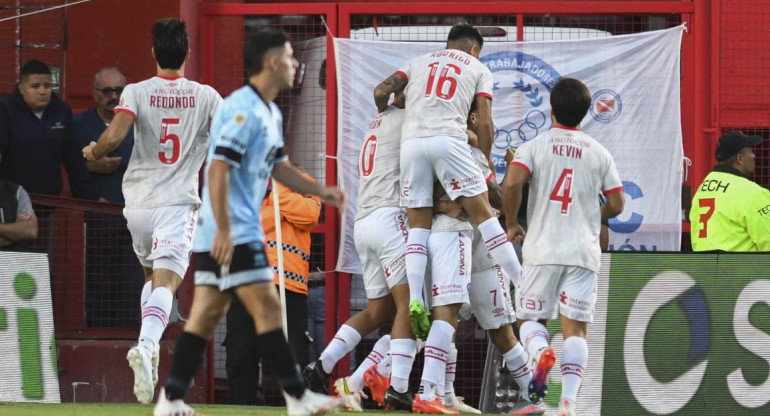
(563, 298)
(462, 254)
(463, 183)
(401, 224)
(395, 266)
(163, 243)
(498, 312)
(579, 305)
(448, 290)
(531, 304)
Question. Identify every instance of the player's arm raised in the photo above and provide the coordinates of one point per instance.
(111, 138)
(288, 174)
(392, 84)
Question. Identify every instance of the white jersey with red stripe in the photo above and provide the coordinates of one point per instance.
(440, 89)
(172, 117)
(378, 163)
(568, 169)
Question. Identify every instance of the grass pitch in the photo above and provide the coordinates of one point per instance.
(29, 409)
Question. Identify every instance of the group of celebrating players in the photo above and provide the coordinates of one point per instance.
(427, 202)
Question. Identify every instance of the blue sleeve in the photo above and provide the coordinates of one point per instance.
(232, 131)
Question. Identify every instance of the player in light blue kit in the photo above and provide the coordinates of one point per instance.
(246, 148)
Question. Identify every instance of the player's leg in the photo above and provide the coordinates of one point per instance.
(209, 306)
(577, 308)
(403, 350)
(242, 362)
(417, 196)
(537, 300)
(463, 181)
(351, 388)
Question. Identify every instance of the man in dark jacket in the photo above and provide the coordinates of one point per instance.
(36, 138)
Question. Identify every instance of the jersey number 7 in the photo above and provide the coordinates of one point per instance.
(706, 216)
(563, 185)
(165, 137)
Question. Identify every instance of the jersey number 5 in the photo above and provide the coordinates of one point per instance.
(165, 137)
(706, 216)
(563, 185)
(442, 90)
(366, 165)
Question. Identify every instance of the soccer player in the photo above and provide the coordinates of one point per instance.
(440, 88)
(566, 169)
(247, 147)
(380, 235)
(171, 117)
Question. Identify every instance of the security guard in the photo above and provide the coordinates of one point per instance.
(299, 214)
(730, 212)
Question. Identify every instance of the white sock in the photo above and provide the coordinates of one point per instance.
(496, 241)
(436, 355)
(534, 336)
(155, 318)
(344, 341)
(516, 361)
(449, 376)
(573, 363)
(146, 292)
(385, 366)
(403, 351)
(379, 351)
(416, 258)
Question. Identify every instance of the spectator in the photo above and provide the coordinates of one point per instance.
(36, 138)
(108, 171)
(18, 222)
(113, 278)
(730, 212)
(299, 214)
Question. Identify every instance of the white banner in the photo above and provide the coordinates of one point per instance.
(28, 364)
(635, 114)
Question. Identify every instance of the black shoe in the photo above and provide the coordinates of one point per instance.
(398, 401)
(315, 377)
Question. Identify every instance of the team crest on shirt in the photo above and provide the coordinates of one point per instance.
(522, 85)
(240, 118)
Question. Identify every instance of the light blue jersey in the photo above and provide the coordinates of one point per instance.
(247, 135)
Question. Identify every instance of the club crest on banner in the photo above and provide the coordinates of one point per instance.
(522, 85)
(606, 105)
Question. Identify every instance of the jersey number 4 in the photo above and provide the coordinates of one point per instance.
(165, 137)
(446, 85)
(706, 216)
(561, 193)
(366, 165)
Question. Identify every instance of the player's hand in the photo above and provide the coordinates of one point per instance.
(336, 197)
(104, 165)
(516, 234)
(88, 151)
(509, 154)
(222, 249)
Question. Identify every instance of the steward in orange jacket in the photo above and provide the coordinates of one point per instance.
(299, 214)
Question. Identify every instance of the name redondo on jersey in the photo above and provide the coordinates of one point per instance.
(172, 102)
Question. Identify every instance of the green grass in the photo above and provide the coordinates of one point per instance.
(29, 409)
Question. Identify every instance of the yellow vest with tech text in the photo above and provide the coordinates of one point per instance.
(730, 213)
(299, 214)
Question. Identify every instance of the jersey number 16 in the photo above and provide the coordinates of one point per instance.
(443, 91)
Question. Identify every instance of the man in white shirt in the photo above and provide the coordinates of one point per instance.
(171, 117)
(566, 169)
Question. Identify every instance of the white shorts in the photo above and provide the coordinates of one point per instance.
(544, 288)
(450, 267)
(449, 159)
(163, 236)
(380, 239)
(490, 296)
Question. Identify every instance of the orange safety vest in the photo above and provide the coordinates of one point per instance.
(299, 214)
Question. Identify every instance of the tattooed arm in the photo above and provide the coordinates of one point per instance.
(392, 84)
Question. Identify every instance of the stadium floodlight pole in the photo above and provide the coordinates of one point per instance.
(279, 251)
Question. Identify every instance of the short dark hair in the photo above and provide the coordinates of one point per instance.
(570, 101)
(257, 47)
(34, 67)
(464, 31)
(169, 38)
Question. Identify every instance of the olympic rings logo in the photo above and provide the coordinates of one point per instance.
(534, 121)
